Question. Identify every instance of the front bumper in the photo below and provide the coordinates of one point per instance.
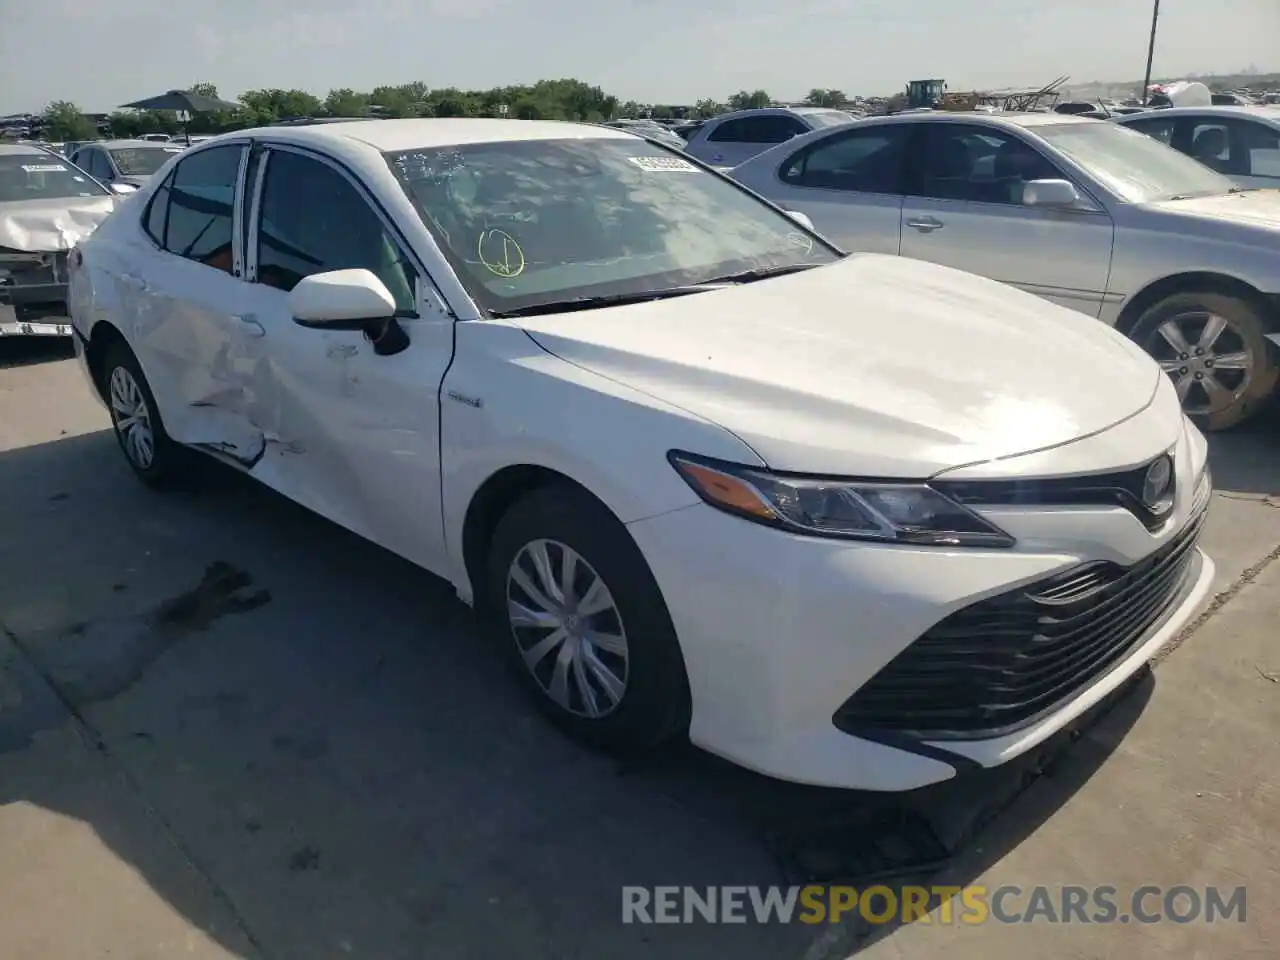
(33, 295)
(779, 631)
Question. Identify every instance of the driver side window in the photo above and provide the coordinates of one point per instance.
(312, 219)
(978, 164)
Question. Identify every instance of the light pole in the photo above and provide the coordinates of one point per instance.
(1151, 53)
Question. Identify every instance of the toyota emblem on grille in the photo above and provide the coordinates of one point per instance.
(1157, 486)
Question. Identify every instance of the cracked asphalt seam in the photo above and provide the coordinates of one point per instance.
(1219, 601)
(93, 739)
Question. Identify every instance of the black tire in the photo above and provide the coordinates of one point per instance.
(1246, 331)
(654, 707)
(170, 465)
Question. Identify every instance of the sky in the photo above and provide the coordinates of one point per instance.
(99, 55)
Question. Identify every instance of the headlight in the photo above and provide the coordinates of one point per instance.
(850, 509)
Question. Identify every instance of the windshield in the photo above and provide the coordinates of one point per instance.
(532, 222)
(142, 161)
(829, 118)
(42, 176)
(1134, 166)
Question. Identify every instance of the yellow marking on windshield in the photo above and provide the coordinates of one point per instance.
(500, 253)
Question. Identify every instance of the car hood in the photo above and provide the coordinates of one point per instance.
(1259, 208)
(873, 366)
(44, 225)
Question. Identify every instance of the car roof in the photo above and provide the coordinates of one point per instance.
(1263, 111)
(121, 144)
(994, 119)
(22, 150)
(391, 136)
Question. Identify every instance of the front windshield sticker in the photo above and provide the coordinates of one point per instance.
(663, 164)
(43, 168)
(500, 254)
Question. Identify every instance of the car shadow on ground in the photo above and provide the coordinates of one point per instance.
(320, 730)
(1246, 460)
(25, 351)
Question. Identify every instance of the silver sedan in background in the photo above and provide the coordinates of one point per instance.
(1086, 213)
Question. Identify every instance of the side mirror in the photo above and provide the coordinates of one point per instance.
(341, 300)
(122, 188)
(1049, 193)
(802, 219)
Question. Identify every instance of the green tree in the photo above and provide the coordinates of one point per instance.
(205, 90)
(345, 102)
(263, 107)
(706, 109)
(63, 120)
(749, 100)
(825, 98)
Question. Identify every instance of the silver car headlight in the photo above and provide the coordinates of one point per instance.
(884, 511)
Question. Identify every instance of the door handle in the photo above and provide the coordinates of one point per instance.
(251, 325)
(134, 281)
(925, 224)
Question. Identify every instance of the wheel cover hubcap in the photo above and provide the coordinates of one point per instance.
(1208, 360)
(567, 628)
(131, 418)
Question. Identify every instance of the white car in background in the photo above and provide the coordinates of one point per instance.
(732, 138)
(1085, 213)
(847, 521)
(46, 206)
(1242, 143)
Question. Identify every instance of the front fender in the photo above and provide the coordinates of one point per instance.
(507, 402)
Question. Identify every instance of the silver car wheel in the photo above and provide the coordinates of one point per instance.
(132, 418)
(1207, 357)
(567, 628)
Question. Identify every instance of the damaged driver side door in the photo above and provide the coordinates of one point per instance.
(190, 329)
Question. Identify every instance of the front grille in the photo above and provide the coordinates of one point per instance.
(20, 269)
(1122, 488)
(1006, 661)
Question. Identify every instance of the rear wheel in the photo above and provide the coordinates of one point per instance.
(1215, 350)
(154, 457)
(574, 604)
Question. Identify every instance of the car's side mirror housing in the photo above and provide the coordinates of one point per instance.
(802, 219)
(341, 300)
(1049, 193)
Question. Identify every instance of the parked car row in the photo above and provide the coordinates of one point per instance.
(851, 520)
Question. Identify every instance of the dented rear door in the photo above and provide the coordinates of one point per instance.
(197, 341)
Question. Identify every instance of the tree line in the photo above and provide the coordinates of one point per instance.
(545, 100)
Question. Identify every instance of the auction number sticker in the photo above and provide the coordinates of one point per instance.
(663, 164)
(44, 168)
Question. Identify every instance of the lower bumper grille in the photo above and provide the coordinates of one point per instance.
(1004, 662)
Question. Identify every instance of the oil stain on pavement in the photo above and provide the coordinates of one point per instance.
(42, 678)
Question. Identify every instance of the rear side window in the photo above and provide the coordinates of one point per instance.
(191, 214)
(766, 129)
(1159, 127)
(860, 161)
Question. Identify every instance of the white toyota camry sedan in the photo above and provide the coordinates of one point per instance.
(857, 521)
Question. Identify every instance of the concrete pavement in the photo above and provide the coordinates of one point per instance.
(233, 730)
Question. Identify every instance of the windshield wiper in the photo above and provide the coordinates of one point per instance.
(610, 300)
(750, 276)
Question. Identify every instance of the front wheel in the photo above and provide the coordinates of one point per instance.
(1215, 350)
(573, 602)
